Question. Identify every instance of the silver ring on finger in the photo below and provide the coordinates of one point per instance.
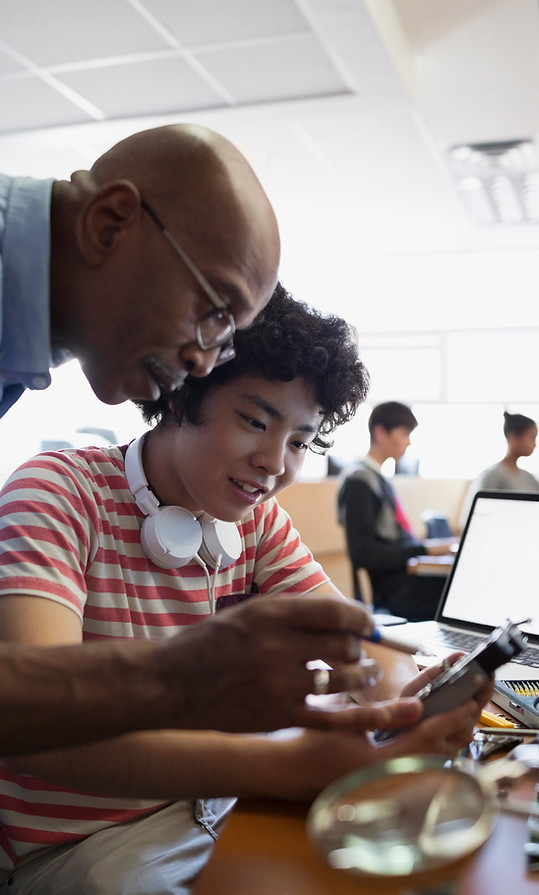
(321, 682)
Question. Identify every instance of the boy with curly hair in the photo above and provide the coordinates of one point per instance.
(139, 814)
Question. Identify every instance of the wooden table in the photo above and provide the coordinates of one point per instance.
(431, 565)
(264, 850)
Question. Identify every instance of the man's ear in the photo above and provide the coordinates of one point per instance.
(106, 219)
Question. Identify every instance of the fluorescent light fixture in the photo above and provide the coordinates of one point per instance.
(498, 182)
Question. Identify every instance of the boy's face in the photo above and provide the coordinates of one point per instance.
(250, 444)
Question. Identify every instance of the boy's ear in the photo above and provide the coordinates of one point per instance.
(106, 219)
(379, 431)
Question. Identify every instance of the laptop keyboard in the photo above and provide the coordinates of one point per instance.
(466, 641)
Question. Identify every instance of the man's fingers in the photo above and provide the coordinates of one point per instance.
(324, 614)
(401, 712)
(303, 628)
(358, 719)
(345, 678)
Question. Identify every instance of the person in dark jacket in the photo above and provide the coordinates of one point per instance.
(378, 535)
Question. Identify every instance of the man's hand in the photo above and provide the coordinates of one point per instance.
(245, 669)
(317, 758)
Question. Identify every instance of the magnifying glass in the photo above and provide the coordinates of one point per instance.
(411, 815)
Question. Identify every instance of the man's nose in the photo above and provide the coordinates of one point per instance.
(198, 362)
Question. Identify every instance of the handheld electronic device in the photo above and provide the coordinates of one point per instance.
(466, 677)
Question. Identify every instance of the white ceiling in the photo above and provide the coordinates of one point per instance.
(344, 107)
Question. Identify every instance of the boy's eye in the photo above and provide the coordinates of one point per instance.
(256, 424)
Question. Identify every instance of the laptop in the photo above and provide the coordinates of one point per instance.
(495, 576)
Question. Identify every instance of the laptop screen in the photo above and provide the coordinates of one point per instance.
(496, 572)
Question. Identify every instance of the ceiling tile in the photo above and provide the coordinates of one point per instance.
(287, 68)
(218, 21)
(9, 64)
(75, 31)
(371, 151)
(143, 88)
(30, 103)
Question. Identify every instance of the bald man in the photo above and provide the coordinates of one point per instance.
(142, 268)
(168, 233)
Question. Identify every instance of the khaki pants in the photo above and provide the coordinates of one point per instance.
(161, 854)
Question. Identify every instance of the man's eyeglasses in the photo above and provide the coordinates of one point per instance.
(216, 329)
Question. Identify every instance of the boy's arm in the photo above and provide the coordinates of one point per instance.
(185, 764)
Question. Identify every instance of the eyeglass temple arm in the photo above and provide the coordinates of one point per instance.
(198, 275)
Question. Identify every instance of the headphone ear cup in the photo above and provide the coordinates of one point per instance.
(171, 537)
(219, 539)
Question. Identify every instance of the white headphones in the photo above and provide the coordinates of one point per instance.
(171, 536)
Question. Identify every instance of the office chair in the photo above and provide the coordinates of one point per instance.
(436, 524)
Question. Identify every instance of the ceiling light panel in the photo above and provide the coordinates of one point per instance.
(498, 181)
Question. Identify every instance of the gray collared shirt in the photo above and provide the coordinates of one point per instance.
(25, 350)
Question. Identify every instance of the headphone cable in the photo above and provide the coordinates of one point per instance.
(218, 561)
(210, 583)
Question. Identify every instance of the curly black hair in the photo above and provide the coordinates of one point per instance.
(287, 339)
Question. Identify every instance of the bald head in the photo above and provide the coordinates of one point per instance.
(171, 157)
(202, 187)
(123, 300)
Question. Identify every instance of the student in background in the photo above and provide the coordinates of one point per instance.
(140, 813)
(378, 535)
(521, 435)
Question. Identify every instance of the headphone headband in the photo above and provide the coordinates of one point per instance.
(172, 536)
(136, 478)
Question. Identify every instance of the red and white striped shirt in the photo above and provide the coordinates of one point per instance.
(70, 532)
